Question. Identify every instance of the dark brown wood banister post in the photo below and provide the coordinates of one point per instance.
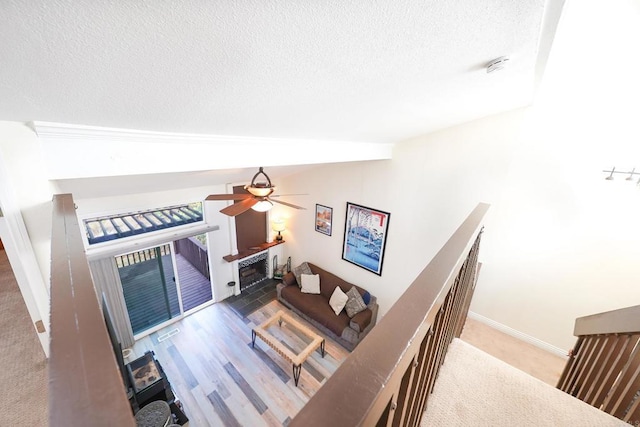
(85, 385)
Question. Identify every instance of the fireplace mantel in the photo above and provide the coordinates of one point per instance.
(248, 252)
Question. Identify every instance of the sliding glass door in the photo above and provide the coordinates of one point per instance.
(162, 283)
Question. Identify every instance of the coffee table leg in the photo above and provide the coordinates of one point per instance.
(322, 348)
(296, 373)
(253, 338)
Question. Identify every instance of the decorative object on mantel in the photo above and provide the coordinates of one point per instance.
(629, 174)
(260, 197)
(324, 216)
(253, 250)
(365, 236)
(279, 226)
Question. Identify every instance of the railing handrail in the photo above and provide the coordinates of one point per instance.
(621, 321)
(367, 375)
(85, 385)
(603, 366)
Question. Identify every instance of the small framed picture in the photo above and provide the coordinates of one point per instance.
(365, 237)
(324, 216)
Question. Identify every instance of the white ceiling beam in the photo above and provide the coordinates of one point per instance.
(74, 151)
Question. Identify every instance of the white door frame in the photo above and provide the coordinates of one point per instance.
(19, 264)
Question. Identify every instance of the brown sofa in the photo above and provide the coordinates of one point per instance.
(315, 308)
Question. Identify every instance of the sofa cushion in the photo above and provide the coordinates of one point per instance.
(300, 270)
(289, 279)
(317, 308)
(366, 297)
(361, 320)
(310, 283)
(355, 304)
(329, 281)
(338, 300)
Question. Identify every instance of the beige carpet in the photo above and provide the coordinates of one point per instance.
(23, 372)
(476, 389)
(522, 355)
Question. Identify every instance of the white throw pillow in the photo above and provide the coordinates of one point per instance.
(338, 300)
(310, 283)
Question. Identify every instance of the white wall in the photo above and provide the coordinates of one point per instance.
(429, 188)
(29, 186)
(25, 199)
(564, 242)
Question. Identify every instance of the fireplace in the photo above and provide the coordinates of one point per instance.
(253, 270)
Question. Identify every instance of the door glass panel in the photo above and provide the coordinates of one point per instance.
(153, 292)
(149, 286)
(192, 262)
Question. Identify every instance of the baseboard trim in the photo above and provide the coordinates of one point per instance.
(519, 335)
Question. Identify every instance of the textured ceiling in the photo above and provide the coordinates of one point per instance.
(343, 70)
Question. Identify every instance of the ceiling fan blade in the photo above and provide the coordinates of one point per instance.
(285, 203)
(240, 207)
(228, 196)
(280, 195)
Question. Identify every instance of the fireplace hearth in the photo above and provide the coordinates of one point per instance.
(253, 270)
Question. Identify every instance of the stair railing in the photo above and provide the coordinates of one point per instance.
(85, 384)
(603, 369)
(387, 379)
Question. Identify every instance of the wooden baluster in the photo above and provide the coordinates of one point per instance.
(620, 395)
(582, 385)
(611, 348)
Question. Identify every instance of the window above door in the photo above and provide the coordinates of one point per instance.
(112, 227)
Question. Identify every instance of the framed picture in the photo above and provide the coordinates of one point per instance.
(324, 216)
(365, 235)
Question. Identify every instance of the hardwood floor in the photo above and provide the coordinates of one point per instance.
(222, 380)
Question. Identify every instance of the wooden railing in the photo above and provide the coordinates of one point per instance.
(142, 256)
(604, 366)
(194, 252)
(387, 379)
(85, 385)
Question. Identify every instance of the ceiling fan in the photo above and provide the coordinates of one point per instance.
(260, 197)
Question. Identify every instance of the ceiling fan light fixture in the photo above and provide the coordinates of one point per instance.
(262, 206)
(257, 197)
(259, 191)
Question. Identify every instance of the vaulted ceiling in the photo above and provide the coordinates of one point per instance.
(363, 71)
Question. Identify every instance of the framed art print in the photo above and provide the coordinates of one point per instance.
(324, 217)
(365, 235)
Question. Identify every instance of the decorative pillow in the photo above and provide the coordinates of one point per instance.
(300, 270)
(355, 303)
(338, 300)
(366, 297)
(310, 283)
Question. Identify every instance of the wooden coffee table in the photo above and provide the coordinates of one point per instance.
(286, 320)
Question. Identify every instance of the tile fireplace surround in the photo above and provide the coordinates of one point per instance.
(253, 270)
